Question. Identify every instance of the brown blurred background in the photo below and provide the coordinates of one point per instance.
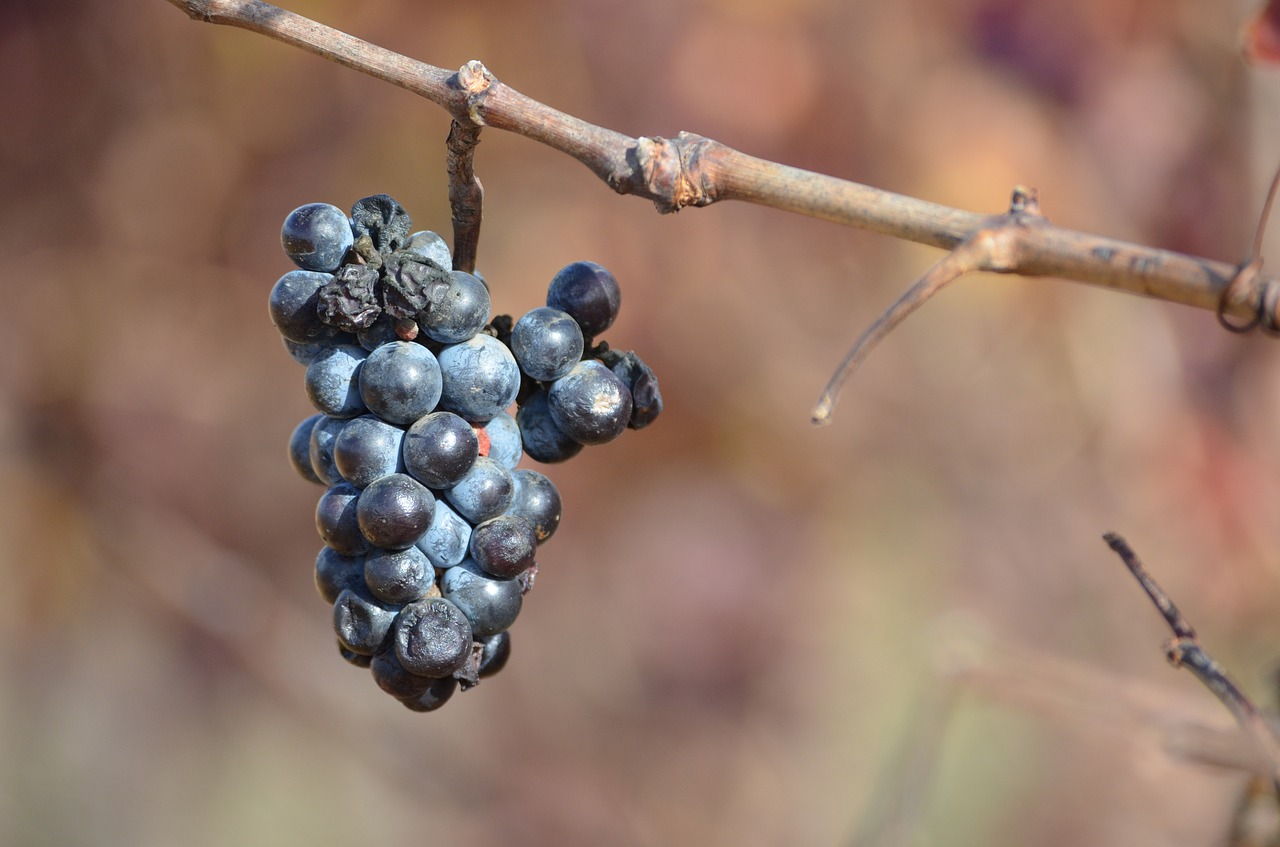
(744, 624)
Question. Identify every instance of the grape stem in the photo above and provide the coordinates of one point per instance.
(691, 170)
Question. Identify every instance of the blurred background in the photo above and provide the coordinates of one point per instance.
(747, 630)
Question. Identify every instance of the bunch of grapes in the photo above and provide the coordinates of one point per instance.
(431, 530)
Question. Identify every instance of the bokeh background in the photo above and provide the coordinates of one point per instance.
(747, 630)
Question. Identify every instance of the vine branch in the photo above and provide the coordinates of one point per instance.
(1184, 651)
(691, 170)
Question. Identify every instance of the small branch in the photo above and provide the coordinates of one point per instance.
(466, 194)
(1184, 651)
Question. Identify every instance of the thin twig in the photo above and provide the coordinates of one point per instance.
(466, 194)
(1184, 651)
(690, 170)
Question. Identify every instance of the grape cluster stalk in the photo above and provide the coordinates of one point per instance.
(431, 528)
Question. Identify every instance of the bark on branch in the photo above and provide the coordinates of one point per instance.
(690, 170)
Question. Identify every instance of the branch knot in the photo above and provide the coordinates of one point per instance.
(672, 172)
(474, 80)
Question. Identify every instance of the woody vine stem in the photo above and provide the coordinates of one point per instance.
(691, 170)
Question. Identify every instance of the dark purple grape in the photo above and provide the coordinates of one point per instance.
(436, 695)
(484, 492)
(398, 576)
(589, 293)
(536, 499)
(432, 637)
(367, 449)
(324, 434)
(316, 236)
(400, 382)
(335, 572)
(490, 605)
(294, 307)
(481, 378)
(546, 343)
(543, 440)
(646, 399)
(358, 659)
(439, 449)
(504, 546)
(300, 450)
(392, 678)
(430, 246)
(460, 312)
(333, 381)
(361, 621)
(337, 520)
(495, 650)
(394, 511)
(590, 404)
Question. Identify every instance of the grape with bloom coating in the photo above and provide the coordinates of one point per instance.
(536, 499)
(400, 382)
(432, 637)
(484, 492)
(546, 343)
(590, 404)
(481, 378)
(316, 236)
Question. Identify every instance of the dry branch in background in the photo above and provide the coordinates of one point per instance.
(690, 170)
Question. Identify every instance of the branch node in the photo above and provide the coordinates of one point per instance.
(474, 80)
(1025, 201)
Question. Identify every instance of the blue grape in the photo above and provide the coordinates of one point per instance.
(305, 354)
(336, 572)
(481, 378)
(317, 236)
(432, 637)
(505, 446)
(537, 500)
(400, 382)
(445, 541)
(381, 331)
(323, 435)
(294, 307)
(504, 546)
(367, 449)
(392, 677)
(490, 605)
(439, 449)
(337, 520)
(398, 576)
(394, 511)
(358, 659)
(436, 695)
(333, 381)
(589, 293)
(495, 650)
(484, 492)
(543, 440)
(361, 621)
(546, 343)
(430, 246)
(460, 312)
(300, 449)
(591, 404)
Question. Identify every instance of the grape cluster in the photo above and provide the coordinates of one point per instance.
(431, 530)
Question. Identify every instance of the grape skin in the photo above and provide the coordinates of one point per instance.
(394, 512)
(484, 492)
(400, 382)
(316, 236)
(333, 381)
(491, 605)
(481, 378)
(588, 293)
(590, 404)
(547, 343)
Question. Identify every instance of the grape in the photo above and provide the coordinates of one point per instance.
(361, 622)
(646, 399)
(337, 521)
(537, 500)
(400, 382)
(358, 659)
(436, 695)
(381, 218)
(300, 449)
(484, 492)
(381, 331)
(460, 312)
(543, 440)
(481, 378)
(323, 435)
(398, 576)
(546, 343)
(445, 541)
(305, 354)
(590, 405)
(317, 236)
(431, 247)
(367, 449)
(504, 440)
(432, 637)
(439, 449)
(333, 380)
(336, 571)
(504, 546)
(392, 677)
(490, 605)
(394, 511)
(589, 293)
(294, 306)
(495, 651)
